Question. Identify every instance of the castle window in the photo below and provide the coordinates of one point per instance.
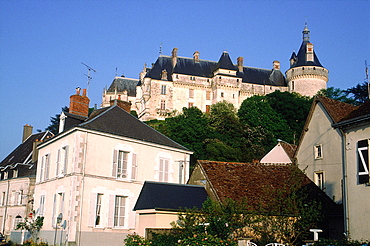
(190, 104)
(163, 89)
(208, 95)
(163, 104)
(222, 94)
(191, 93)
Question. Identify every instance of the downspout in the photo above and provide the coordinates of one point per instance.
(345, 186)
(6, 207)
(82, 191)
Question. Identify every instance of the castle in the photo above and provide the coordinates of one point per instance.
(174, 82)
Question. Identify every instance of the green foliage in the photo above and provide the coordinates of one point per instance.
(345, 242)
(336, 94)
(54, 122)
(359, 93)
(134, 240)
(206, 239)
(33, 243)
(32, 226)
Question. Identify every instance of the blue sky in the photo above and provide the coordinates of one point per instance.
(42, 45)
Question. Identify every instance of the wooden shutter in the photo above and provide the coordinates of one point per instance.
(115, 163)
(134, 166)
(363, 161)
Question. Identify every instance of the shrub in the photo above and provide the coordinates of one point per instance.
(134, 240)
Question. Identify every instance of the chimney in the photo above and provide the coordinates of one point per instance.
(196, 56)
(79, 105)
(174, 57)
(27, 131)
(276, 65)
(35, 152)
(240, 62)
(122, 104)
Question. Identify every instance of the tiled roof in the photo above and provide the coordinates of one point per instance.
(23, 153)
(258, 183)
(155, 195)
(205, 68)
(124, 84)
(289, 149)
(361, 111)
(115, 120)
(336, 109)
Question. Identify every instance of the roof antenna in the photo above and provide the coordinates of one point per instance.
(89, 69)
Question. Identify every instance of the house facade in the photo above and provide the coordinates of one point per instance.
(90, 175)
(174, 82)
(17, 183)
(355, 132)
(333, 151)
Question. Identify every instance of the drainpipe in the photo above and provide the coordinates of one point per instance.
(6, 207)
(345, 186)
(82, 189)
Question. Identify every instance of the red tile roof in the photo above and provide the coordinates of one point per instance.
(336, 109)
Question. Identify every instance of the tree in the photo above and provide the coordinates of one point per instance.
(358, 93)
(336, 94)
(256, 111)
(54, 122)
(32, 226)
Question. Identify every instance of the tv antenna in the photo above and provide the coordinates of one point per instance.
(89, 78)
(367, 79)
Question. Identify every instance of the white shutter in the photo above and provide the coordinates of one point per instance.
(58, 163)
(111, 211)
(53, 221)
(166, 170)
(65, 164)
(115, 163)
(131, 213)
(93, 200)
(134, 166)
(363, 161)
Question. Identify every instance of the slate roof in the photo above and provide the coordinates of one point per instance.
(258, 183)
(115, 120)
(124, 84)
(205, 68)
(72, 120)
(167, 196)
(301, 59)
(23, 153)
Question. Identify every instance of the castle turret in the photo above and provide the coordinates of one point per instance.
(306, 75)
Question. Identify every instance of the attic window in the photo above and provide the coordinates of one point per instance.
(319, 179)
(318, 151)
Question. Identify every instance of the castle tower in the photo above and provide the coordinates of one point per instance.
(306, 75)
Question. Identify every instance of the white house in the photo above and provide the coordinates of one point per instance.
(90, 174)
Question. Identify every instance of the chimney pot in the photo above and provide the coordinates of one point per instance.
(27, 131)
(78, 89)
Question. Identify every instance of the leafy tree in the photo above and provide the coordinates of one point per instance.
(293, 108)
(32, 226)
(358, 93)
(336, 94)
(256, 111)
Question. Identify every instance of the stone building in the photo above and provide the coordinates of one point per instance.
(174, 82)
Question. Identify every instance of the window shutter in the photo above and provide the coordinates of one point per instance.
(54, 211)
(134, 166)
(93, 200)
(166, 168)
(111, 211)
(115, 163)
(65, 164)
(58, 163)
(131, 213)
(363, 161)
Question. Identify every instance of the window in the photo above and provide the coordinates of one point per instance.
(15, 197)
(20, 200)
(208, 95)
(44, 168)
(58, 207)
(363, 161)
(208, 108)
(62, 161)
(222, 94)
(318, 151)
(163, 169)
(190, 104)
(3, 197)
(191, 93)
(119, 211)
(42, 205)
(122, 164)
(319, 179)
(163, 104)
(15, 173)
(98, 209)
(18, 219)
(163, 89)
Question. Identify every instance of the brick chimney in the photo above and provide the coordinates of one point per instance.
(122, 104)
(276, 65)
(174, 56)
(240, 62)
(79, 105)
(27, 131)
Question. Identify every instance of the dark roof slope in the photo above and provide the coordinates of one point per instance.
(155, 195)
(205, 68)
(301, 58)
(115, 120)
(23, 153)
(124, 84)
(72, 120)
